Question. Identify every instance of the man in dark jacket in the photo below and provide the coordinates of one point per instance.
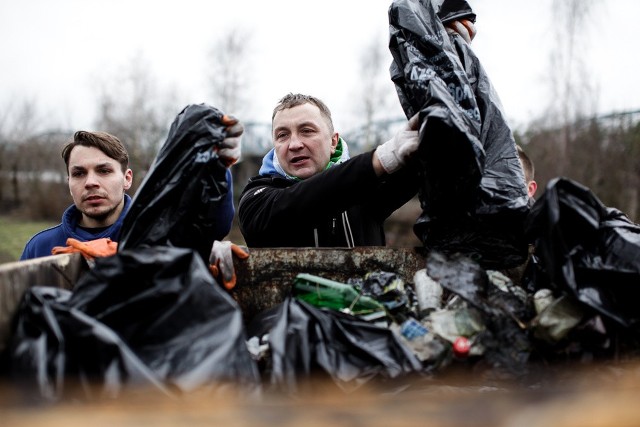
(309, 193)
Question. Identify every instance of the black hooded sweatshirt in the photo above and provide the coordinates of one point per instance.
(343, 206)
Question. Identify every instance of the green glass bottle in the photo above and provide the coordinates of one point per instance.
(322, 292)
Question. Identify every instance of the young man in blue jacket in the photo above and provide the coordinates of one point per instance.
(99, 176)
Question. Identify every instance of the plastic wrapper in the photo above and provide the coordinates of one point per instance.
(152, 317)
(588, 250)
(177, 203)
(390, 290)
(472, 189)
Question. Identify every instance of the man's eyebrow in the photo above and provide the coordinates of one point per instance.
(105, 164)
(308, 123)
(99, 165)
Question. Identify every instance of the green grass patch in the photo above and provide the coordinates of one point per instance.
(14, 234)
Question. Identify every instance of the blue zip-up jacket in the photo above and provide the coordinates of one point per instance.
(41, 244)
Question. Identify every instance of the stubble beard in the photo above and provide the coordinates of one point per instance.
(100, 216)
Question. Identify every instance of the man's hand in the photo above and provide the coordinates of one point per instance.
(229, 151)
(393, 154)
(221, 261)
(464, 28)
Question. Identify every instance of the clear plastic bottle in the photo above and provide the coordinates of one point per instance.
(428, 292)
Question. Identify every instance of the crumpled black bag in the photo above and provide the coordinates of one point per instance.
(307, 342)
(472, 189)
(452, 10)
(587, 249)
(152, 317)
(177, 201)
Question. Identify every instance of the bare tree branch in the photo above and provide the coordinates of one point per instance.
(229, 72)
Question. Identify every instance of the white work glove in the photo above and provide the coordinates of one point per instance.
(229, 151)
(221, 261)
(464, 28)
(393, 154)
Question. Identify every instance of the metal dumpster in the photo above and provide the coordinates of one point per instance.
(603, 395)
(264, 279)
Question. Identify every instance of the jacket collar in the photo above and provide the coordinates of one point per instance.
(271, 166)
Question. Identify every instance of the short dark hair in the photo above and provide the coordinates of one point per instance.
(103, 141)
(527, 164)
(294, 99)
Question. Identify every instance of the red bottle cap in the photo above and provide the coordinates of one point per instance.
(461, 347)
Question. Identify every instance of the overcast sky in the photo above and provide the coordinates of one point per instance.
(54, 51)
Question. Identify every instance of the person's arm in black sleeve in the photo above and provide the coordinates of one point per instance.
(281, 207)
(394, 191)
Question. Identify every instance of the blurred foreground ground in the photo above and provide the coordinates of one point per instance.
(598, 396)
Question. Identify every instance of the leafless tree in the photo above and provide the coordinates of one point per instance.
(4, 154)
(604, 156)
(22, 160)
(376, 92)
(373, 78)
(570, 75)
(572, 93)
(135, 109)
(229, 72)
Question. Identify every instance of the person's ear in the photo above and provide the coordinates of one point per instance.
(532, 186)
(128, 179)
(334, 142)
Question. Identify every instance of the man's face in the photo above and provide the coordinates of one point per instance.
(303, 141)
(97, 185)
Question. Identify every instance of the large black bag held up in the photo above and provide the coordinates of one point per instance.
(472, 189)
(177, 203)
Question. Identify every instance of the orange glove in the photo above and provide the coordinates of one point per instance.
(221, 261)
(90, 250)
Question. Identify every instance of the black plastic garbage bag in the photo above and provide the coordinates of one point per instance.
(57, 352)
(505, 339)
(588, 250)
(307, 342)
(176, 203)
(472, 189)
(153, 316)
